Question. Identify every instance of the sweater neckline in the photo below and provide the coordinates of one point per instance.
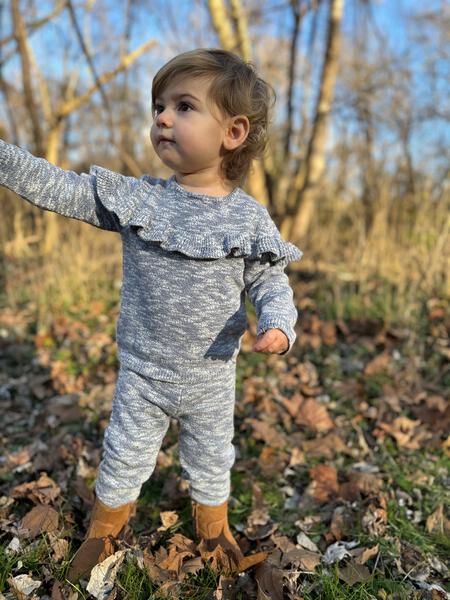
(173, 183)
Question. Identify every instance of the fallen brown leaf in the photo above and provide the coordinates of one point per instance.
(292, 404)
(437, 522)
(434, 413)
(301, 558)
(220, 559)
(259, 525)
(226, 589)
(297, 457)
(42, 491)
(327, 446)
(271, 462)
(446, 446)
(354, 573)
(314, 415)
(342, 521)
(84, 491)
(174, 560)
(18, 459)
(374, 520)
(57, 591)
(5, 504)
(180, 548)
(406, 432)
(379, 364)
(60, 546)
(168, 520)
(324, 484)
(412, 561)
(329, 333)
(359, 483)
(269, 580)
(154, 573)
(40, 518)
(298, 557)
(267, 432)
(182, 543)
(307, 373)
(337, 527)
(436, 402)
(362, 555)
(192, 565)
(170, 589)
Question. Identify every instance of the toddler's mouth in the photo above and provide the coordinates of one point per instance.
(164, 139)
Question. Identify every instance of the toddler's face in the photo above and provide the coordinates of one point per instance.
(188, 131)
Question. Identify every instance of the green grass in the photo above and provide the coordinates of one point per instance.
(328, 586)
(134, 584)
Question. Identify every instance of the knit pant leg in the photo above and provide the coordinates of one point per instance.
(132, 439)
(205, 445)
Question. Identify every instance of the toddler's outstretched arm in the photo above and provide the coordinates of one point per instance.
(268, 288)
(52, 188)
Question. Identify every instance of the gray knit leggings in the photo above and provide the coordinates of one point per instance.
(140, 417)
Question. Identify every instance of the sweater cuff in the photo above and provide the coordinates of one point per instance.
(278, 323)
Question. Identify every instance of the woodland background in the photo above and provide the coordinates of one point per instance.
(356, 174)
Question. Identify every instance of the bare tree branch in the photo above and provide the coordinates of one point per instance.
(127, 60)
(35, 25)
(84, 48)
(20, 36)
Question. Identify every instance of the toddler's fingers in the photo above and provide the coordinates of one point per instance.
(259, 348)
(268, 341)
(271, 348)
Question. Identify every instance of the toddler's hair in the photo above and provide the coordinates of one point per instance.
(236, 89)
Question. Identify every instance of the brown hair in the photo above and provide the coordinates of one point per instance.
(236, 89)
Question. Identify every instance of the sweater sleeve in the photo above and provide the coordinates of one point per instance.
(54, 189)
(267, 286)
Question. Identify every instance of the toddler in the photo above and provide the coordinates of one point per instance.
(193, 246)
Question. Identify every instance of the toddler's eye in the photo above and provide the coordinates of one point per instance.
(184, 106)
(158, 108)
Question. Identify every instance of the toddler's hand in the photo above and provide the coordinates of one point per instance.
(273, 341)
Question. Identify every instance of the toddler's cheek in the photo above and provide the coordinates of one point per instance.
(153, 137)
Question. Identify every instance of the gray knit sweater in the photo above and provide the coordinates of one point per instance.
(188, 262)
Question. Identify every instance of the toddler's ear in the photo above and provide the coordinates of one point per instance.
(236, 132)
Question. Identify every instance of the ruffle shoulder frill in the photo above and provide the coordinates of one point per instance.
(163, 212)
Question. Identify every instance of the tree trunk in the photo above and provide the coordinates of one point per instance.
(51, 218)
(315, 156)
(240, 44)
(240, 22)
(222, 25)
(22, 45)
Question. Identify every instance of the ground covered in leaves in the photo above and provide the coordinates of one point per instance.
(342, 470)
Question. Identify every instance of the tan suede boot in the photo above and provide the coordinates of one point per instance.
(105, 526)
(211, 526)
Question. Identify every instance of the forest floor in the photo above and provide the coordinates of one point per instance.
(342, 469)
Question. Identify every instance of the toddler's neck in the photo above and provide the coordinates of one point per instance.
(204, 184)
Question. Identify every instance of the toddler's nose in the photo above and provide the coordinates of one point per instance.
(163, 118)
